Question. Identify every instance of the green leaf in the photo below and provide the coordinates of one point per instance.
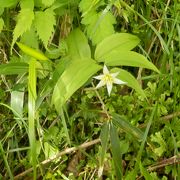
(74, 76)
(17, 101)
(27, 4)
(44, 24)
(31, 111)
(48, 2)
(116, 151)
(129, 79)
(32, 52)
(24, 21)
(78, 46)
(118, 42)
(127, 126)
(162, 144)
(127, 58)
(144, 172)
(13, 68)
(1, 24)
(30, 38)
(104, 136)
(7, 3)
(99, 25)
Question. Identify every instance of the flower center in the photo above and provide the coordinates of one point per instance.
(108, 78)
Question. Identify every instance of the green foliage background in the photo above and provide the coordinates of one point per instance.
(48, 101)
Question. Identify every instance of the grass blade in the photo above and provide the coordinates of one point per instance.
(116, 151)
(31, 112)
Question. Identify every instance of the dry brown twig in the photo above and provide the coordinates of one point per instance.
(58, 155)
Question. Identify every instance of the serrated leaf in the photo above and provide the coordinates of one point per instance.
(1, 24)
(25, 18)
(129, 79)
(48, 2)
(27, 4)
(118, 42)
(74, 76)
(13, 68)
(127, 58)
(44, 24)
(7, 3)
(86, 6)
(78, 46)
(99, 25)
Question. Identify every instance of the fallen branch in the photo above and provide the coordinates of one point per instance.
(66, 151)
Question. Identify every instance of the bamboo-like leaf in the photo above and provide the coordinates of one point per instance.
(116, 151)
(127, 58)
(32, 52)
(74, 76)
(129, 79)
(13, 68)
(78, 46)
(118, 42)
(31, 111)
(127, 126)
(104, 136)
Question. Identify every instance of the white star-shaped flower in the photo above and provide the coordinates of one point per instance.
(108, 79)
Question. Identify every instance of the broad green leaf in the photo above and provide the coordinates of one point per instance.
(1, 24)
(78, 46)
(144, 172)
(32, 52)
(48, 2)
(129, 79)
(44, 24)
(127, 126)
(7, 3)
(13, 68)
(99, 25)
(17, 101)
(118, 42)
(24, 21)
(74, 76)
(116, 151)
(127, 58)
(104, 136)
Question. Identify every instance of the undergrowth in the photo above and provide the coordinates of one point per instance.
(54, 123)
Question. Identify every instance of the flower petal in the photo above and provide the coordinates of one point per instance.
(99, 77)
(105, 70)
(118, 81)
(100, 84)
(109, 88)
